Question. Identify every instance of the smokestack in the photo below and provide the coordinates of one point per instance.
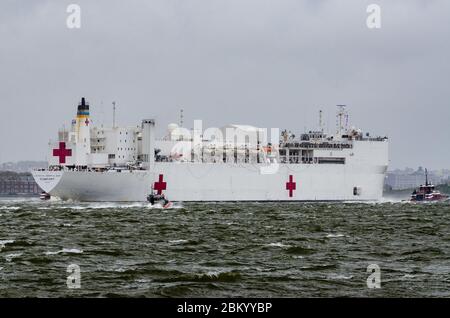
(148, 143)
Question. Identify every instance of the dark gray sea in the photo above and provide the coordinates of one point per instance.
(224, 249)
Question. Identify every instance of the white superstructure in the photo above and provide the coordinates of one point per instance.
(232, 163)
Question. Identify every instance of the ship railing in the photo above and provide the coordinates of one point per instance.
(92, 169)
(317, 145)
(374, 138)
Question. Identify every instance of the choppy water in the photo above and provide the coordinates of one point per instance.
(224, 249)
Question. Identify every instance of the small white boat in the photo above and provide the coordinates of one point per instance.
(159, 200)
(44, 196)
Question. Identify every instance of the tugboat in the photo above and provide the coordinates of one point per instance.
(427, 193)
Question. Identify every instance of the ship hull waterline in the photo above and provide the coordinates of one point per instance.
(192, 182)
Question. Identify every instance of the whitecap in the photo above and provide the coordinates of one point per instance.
(52, 253)
(155, 206)
(340, 277)
(178, 206)
(335, 235)
(178, 241)
(173, 206)
(4, 242)
(278, 244)
(392, 200)
(65, 251)
(77, 207)
(143, 280)
(113, 206)
(214, 273)
(11, 256)
(106, 205)
(9, 208)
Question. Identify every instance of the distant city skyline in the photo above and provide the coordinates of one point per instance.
(262, 63)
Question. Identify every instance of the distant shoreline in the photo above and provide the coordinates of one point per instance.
(19, 195)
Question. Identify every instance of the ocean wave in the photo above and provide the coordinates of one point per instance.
(65, 251)
(10, 208)
(158, 206)
(300, 250)
(219, 276)
(11, 256)
(210, 276)
(319, 267)
(4, 243)
(340, 277)
(94, 206)
(392, 200)
(424, 251)
(277, 244)
(118, 206)
(74, 207)
(194, 253)
(178, 241)
(335, 235)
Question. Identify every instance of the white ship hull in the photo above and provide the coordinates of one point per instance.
(237, 165)
(213, 182)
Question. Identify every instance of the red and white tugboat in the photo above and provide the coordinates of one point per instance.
(427, 193)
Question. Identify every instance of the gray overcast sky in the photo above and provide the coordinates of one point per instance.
(271, 63)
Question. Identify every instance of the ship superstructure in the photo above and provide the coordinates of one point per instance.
(231, 163)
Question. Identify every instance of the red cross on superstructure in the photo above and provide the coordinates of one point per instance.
(62, 152)
(160, 185)
(291, 185)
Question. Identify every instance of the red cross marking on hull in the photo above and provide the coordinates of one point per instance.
(291, 185)
(62, 152)
(160, 185)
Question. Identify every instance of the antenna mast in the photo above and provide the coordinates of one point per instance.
(114, 114)
(320, 121)
(341, 114)
(181, 117)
